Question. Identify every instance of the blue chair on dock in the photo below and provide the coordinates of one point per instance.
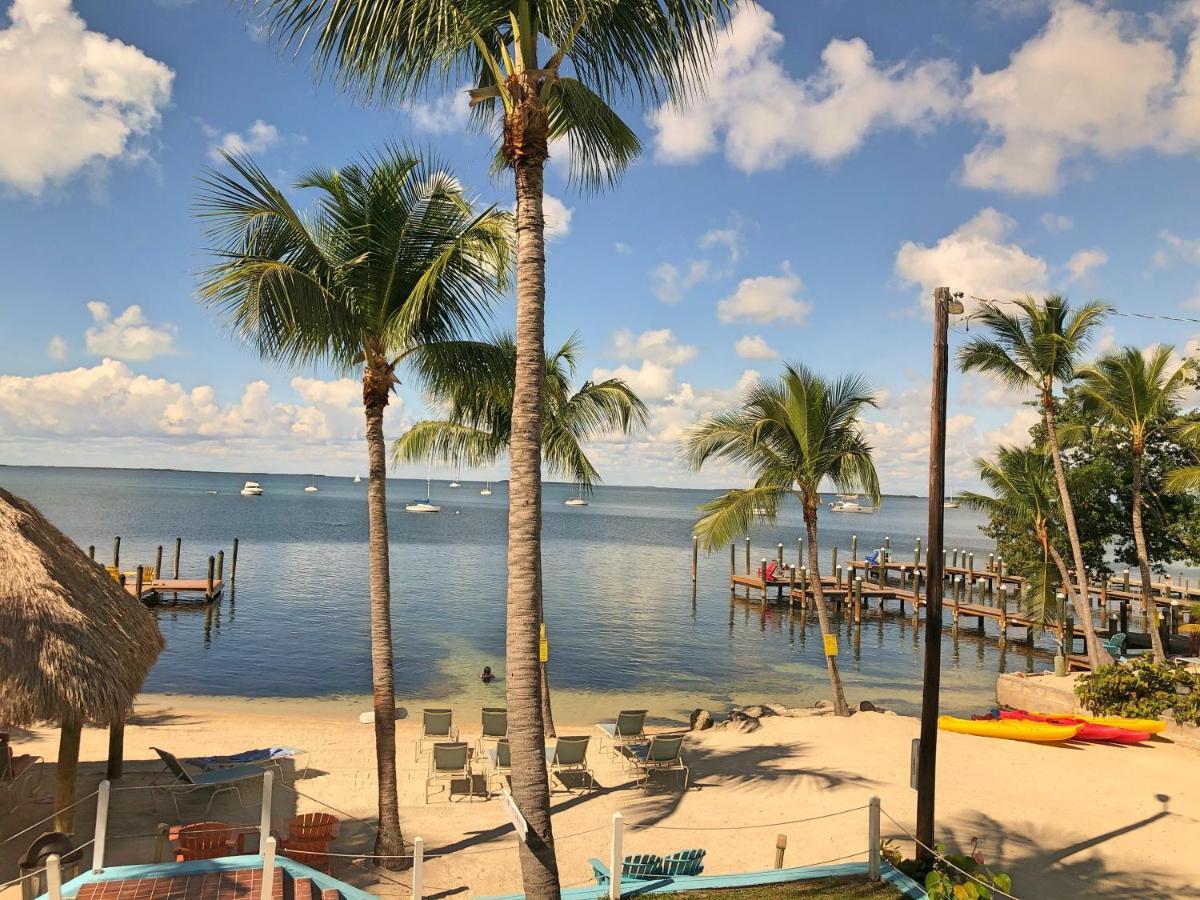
(1115, 644)
(872, 558)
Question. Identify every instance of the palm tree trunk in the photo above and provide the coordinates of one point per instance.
(1097, 655)
(840, 706)
(1149, 609)
(547, 712)
(388, 840)
(526, 736)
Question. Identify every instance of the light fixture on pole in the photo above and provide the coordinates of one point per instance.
(944, 304)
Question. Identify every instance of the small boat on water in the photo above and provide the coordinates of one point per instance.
(454, 484)
(951, 503)
(252, 489)
(1008, 729)
(427, 505)
(850, 505)
(312, 487)
(487, 489)
(576, 500)
(358, 479)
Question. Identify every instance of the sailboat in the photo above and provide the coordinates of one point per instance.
(312, 487)
(487, 489)
(426, 505)
(358, 479)
(578, 499)
(951, 502)
(454, 484)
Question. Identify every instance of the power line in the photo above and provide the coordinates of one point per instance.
(1112, 311)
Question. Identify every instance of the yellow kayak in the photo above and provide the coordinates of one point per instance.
(1150, 726)
(1010, 729)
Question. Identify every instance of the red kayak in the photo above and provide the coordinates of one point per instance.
(1089, 732)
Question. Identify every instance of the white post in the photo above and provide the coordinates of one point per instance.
(264, 822)
(873, 840)
(418, 861)
(101, 827)
(268, 876)
(53, 877)
(615, 858)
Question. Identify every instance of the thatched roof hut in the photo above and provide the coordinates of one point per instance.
(75, 647)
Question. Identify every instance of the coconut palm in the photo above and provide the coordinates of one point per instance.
(1024, 495)
(793, 433)
(1136, 395)
(391, 256)
(542, 73)
(475, 380)
(1037, 350)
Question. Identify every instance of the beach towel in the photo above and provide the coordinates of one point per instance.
(266, 754)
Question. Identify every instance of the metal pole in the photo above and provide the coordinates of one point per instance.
(615, 859)
(101, 827)
(418, 864)
(935, 586)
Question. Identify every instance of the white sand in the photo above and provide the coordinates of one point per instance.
(1064, 821)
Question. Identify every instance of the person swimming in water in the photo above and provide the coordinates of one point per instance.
(487, 676)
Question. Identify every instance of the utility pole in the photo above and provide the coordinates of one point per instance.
(943, 305)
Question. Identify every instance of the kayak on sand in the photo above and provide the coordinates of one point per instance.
(1010, 729)
(1088, 731)
(1147, 726)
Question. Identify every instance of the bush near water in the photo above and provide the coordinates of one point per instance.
(1142, 689)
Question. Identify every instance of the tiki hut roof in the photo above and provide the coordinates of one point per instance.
(73, 644)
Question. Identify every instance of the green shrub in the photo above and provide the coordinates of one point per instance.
(1142, 689)
(945, 879)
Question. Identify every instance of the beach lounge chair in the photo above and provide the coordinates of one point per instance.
(437, 726)
(308, 839)
(266, 756)
(450, 760)
(664, 753)
(205, 840)
(218, 781)
(569, 756)
(683, 862)
(640, 866)
(628, 730)
(495, 727)
(499, 763)
(18, 771)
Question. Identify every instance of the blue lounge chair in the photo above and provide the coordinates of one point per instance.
(684, 862)
(1115, 644)
(218, 781)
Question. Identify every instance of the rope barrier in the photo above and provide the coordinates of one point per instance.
(942, 857)
(52, 815)
(831, 815)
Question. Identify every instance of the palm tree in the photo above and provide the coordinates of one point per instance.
(476, 380)
(1037, 350)
(1024, 495)
(542, 72)
(1136, 395)
(391, 256)
(793, 433)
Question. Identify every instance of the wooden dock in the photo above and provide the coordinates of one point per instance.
(153, 589)
(148, 584)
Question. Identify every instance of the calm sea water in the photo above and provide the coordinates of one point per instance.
(619, 604)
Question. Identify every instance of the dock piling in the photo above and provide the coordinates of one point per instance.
(137, 582)
(178, 546)
(853, 547)
(117, 553)
(212, 569)
(91, 551)
(220, 565)
(834, 564)
(732, 567)
(747, 554)
(158, 563)
(695, 556)
(779, 553)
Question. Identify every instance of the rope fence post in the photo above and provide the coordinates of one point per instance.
(873, 840)
(264, 821)
(268, 875)
(780, 847)
(101, 826)
(54, 877)
(615, 858)
(418, 864)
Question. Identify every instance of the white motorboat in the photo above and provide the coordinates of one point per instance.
(312, 486)
(358, 479)
(487, 490)
(576, 500)
(252, 489)
(851, 506)
(454, 484)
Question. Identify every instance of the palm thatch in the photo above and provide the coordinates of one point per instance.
(74, 646)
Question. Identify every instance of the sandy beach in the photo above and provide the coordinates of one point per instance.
(1094, 820)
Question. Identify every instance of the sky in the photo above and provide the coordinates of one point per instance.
(842, 160)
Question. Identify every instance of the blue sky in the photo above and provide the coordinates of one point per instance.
(844, 159)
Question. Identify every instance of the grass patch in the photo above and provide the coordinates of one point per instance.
(852, 888)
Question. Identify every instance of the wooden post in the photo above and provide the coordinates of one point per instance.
(1125, 580)
(615, 857)
(779, 553)
(1123, 616)
(116, 750)
(956, 557)
(747, 555)
(886, 555)
(54, 880)
(780, 848)
(799, 553)
(873, 860)
(64, 775)
(117, 553)
(212, 568)
(838, 576)
(792, 586)
(138, 580)
(732, 568)
(100, 834)
(158, 563)
(267, 890)
(178, 546)
(858, 600)
(91, 551)
(221, 565)
(991, 562)
(853, 547)
(695, 556)
(804, 583)
(762, 573)
(834, 565)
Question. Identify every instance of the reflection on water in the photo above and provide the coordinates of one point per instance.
(623, 615)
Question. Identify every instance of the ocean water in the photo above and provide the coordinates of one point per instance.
(620, 610)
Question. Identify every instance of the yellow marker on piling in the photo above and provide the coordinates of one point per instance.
(831, 645)
(543, 646)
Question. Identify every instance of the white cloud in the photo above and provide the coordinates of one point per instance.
(622, 248)
(650, 381)
(1057, 222)
(976, 258)
(72, 99)
(258, 138)
(558, 217)
(1092, 81)
(659, 345)
(1176, 247)
(1084, 261)
(129, 336)
(444, 115)
(767, 298)
(729, 237)
(669, 283)
(754, 347)
(761, 116)
(57, 348)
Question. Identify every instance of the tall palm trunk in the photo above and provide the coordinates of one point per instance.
(1080, 596)
(547, 713)
(1149, 609)
(388, 840)
(840, 706)
(526, 736)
